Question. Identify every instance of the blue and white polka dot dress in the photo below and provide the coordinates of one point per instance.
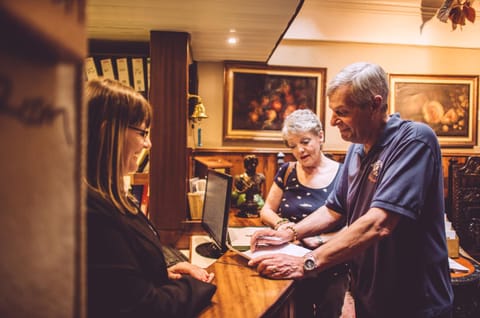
(298, 201)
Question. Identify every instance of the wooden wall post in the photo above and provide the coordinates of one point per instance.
(168, 165)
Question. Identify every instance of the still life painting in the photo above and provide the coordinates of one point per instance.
(259, 97)
(446, 103)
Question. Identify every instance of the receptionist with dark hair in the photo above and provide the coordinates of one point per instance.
(127, 273)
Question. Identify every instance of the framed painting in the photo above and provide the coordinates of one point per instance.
(447, 103)
(258, 97)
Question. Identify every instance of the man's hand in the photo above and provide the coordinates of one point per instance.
(279, 266)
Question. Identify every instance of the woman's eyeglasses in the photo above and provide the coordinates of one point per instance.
(142, 132)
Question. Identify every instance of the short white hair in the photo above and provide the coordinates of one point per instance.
(301, 121)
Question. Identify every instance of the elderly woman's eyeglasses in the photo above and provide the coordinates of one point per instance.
(142, 132)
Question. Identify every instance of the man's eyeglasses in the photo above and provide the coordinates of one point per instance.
(142, 132)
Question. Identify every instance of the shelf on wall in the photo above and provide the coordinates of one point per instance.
(139, 178)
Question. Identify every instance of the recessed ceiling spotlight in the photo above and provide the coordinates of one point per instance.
(232, 40)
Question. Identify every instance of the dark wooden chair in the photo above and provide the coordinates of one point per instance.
(464, 203)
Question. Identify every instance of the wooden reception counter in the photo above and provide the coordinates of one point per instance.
(242, 292)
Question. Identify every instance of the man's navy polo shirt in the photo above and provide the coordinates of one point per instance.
(406, 273)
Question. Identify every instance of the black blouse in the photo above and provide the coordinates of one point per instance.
(127, 273)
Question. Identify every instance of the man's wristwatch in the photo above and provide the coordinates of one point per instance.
(309, 263)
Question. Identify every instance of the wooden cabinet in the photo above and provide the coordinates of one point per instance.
(464, 210)
(202, 164)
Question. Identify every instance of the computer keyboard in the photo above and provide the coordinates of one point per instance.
(173, 255)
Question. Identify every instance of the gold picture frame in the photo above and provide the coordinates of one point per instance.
(259, 96)
(447, 103)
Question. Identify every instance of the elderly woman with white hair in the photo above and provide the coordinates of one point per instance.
(299, 188)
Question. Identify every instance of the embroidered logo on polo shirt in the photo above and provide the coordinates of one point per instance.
(373, 176)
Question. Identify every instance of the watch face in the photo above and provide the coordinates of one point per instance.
(309, 264)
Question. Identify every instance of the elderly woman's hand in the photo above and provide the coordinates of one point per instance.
(269, 237)
(279, 266)
(176, 271)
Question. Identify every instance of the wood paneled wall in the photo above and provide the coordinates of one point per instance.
(267, 161)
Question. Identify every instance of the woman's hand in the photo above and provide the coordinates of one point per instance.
(284, 226)
(176, 271)
(279, 266)
(269, 237)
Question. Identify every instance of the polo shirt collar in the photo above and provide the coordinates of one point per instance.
(392, 125)
(386, 137)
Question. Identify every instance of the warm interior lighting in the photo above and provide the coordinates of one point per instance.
(232, 39)
(199, 111)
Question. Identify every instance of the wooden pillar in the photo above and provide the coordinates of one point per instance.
(43, 138)
(168, 165)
